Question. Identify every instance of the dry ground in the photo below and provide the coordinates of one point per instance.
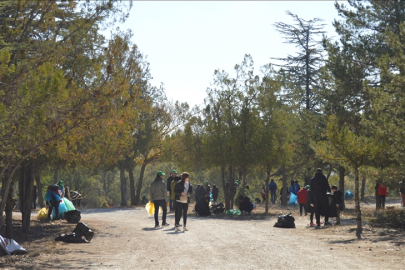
(125, 239)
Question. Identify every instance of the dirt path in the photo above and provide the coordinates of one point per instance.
(125, 239)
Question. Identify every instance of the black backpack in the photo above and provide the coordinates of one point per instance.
(285, 221)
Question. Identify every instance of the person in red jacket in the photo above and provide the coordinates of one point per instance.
(382, 192)
(302, 199)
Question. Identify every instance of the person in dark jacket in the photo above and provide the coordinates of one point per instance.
(273, 190)
(245, 205)
(320, 187)
(310, 206)
(202, 206)
(337, 203)
(197, 194)
(158, 195)
(144, 199)
(182, 191)
(207, 188)
(215, 192)
(173, 177)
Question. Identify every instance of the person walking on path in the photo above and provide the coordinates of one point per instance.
(302, 199)
(173, 177)
(273, 191)
(382, 193)
(215, 192)
(158, 195)
(182, 192)
(263, 193)
(320, 187)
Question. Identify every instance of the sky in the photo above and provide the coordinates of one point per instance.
(186, 41)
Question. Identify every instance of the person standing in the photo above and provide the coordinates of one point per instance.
(173, 177)
(273, 190)
(402, 192)
(207, 188)
(310, 206)
(215, 192)
(182, 192)
(296, 187)
(382, 193)
(320, 187)
(337, 194)
(158, 195)
(34, 196)
(263, 193)
(302, 199)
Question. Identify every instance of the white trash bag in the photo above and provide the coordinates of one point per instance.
(9, 246)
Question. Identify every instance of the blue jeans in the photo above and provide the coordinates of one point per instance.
(273, 196)
(171, 205)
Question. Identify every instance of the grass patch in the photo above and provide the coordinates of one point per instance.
(391, 219)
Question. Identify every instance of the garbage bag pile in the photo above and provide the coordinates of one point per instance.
(217, 208)
(10, 247)
(81, 230)
(285, 221)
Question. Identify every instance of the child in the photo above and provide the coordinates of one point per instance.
(302, 199)
(310, 205)
(337, 194)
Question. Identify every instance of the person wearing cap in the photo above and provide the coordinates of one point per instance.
(158, 195)
(302, 199)
(61, 188)
(144, 199)
(320, 187)
(173, 177)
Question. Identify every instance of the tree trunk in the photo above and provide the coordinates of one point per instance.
(9, 215)
(342, 181)
(363, 188)
(267, 192)
(357, 201)
(104, 180)
(123, 185)
(285, 187)
(232, 185)
(242, 180)
(140, 183)
(132, 186)
(26, 185)
(225, 188)
(55, 175)
(39, 187)
(377, 198)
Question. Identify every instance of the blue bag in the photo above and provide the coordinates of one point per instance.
(348, 195)
(293, 199)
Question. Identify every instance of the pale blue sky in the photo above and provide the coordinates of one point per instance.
(186, 41)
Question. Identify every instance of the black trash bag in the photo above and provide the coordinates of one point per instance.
(217, 208)
(73, 216)
(285, 221)
(82, 230)
(70, 238)
(76, 237)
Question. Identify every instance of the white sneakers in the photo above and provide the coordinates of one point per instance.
(185, 229)
(177, 229)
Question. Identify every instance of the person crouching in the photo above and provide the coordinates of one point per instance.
(245, 205)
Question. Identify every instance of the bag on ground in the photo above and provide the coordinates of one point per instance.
(293, 199)
(42, 214)
(233, 212)
(9, 246)
(285, 221)
(348, 195)
(73, 216)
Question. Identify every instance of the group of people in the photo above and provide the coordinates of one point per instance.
(179, 189)
(205, 190)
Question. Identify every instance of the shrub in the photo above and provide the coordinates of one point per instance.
(394, 219)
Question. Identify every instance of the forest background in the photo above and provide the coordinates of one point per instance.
(78, 106)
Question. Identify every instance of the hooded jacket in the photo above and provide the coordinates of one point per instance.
(202, 207)
(158, 190)
(319, 185)
(302, 196)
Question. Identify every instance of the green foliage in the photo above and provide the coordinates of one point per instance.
(392, 219)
